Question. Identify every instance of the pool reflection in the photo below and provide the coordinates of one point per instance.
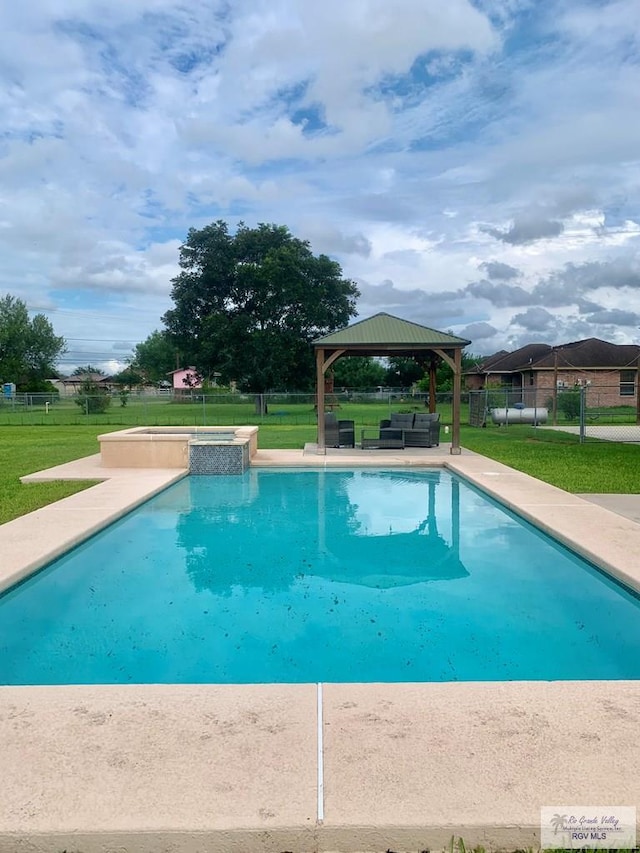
(374, 529)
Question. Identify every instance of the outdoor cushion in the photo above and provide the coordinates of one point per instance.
(401, 420)
(398, 423)
(424, 421)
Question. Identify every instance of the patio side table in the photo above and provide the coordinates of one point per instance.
(377, 443)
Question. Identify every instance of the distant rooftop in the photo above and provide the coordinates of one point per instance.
(589, 353)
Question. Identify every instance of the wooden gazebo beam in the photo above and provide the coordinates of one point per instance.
(322, 365)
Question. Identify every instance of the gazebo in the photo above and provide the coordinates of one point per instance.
(386, 335)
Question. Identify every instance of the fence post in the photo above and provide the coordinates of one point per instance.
(638, 390)
(554, 406)
(583, 409)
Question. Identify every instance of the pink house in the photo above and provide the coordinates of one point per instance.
(186, 379)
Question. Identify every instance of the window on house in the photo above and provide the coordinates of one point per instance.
(627, 383)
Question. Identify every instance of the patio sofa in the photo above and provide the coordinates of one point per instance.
(418, 430)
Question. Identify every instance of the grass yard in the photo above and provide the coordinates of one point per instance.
(558, 458)
(24, 450)
(226, 410)
(554, 457)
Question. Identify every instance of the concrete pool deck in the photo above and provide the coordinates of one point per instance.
(350, 767)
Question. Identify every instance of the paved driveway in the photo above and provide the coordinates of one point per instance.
(621, 432)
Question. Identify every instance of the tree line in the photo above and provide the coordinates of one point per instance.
(246, 308)
(29, 347)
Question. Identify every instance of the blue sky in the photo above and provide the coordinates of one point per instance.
(473, 166)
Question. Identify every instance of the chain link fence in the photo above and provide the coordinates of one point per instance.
(592, 413)
(184, 408)
(602, 413)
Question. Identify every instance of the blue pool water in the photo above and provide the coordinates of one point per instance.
(304, 576)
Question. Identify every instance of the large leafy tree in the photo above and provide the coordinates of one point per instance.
(29, 348)
(248, 305)
(403, 372)
(359, 372)
(444, 374)
(86, 369)
(155, 358)
(128, 378)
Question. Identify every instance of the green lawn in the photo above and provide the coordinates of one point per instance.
(24, 450)
(235, 409)
(223, 410)
(554, 457)
(558, 458)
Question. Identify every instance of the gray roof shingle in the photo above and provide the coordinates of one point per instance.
(590, 353)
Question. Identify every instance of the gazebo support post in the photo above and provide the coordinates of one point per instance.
(454, 360)
(322, 449)
(455, 403)
(321, 368)
(432, 384)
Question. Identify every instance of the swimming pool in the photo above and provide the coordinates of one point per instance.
(304, 576)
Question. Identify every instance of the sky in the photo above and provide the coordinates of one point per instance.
(473, 165)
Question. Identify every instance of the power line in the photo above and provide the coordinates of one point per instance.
(97, 340)
(101, 355)
(80, 312)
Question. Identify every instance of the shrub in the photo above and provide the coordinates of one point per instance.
(38, 386)
(92, 398)
(569, 404)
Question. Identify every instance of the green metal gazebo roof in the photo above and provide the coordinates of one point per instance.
(385, 330)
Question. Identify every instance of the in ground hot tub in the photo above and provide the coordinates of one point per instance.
(180, 447)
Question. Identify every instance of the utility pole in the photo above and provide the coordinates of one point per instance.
(554, 414)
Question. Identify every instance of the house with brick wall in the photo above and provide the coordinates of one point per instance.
(536, 371)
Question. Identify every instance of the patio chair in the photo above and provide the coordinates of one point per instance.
(338, 433)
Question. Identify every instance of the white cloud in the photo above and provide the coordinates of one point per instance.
(431, 147)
